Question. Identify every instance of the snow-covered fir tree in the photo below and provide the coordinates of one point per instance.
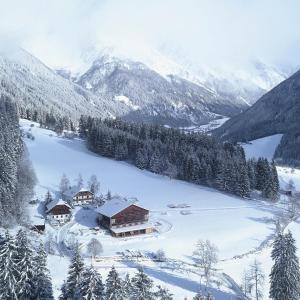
(64, 184)
(42, 279)
(127, 287)
(285, 273)
(79, 181)
(94, 185)
(114, 286)
(199, 296)
(8, 269)
(191, 157)
(25, 267)
(202, 296)
(163, 293)
(90, 286)
(70, 287)
(142, 286)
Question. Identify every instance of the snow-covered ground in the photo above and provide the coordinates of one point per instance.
(264, 147)
(214, 124)
(236, 226)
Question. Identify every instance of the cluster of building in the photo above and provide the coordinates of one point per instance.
(120, 216)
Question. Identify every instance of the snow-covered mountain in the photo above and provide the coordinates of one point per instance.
(159, 90)
(31, 84)
(243, 83)
(149, 96)
(276, 112)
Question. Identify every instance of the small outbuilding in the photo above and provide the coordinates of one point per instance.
(124, 218)
(58, 211)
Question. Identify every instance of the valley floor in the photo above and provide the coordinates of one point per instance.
(238, 227)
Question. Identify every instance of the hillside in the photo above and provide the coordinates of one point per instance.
(181, 212)
(34, 86)
(277, 112)
(157, 89)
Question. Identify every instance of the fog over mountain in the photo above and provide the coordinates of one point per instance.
(223, 35)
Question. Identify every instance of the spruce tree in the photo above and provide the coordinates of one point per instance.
(75, 269)
(114, 286)
(8, 269)
(127, 287)
(142, 286)
(163, 294)
(25, 267)
(90, 285)
(285, 274)
(42, 279)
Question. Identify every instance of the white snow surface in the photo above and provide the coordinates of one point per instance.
(114, 206)
(264, 147)
(125, 100)
(181, 213)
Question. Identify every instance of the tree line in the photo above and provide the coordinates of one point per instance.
(17, 178)
(24, 275)
(193, 157)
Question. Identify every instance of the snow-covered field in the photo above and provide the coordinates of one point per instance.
(236, 226)
(264, 147)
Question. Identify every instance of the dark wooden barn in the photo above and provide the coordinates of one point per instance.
(124, 218)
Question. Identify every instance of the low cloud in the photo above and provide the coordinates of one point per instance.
(206, 31)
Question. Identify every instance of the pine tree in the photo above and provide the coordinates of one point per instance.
(127, 287)
(199, 296)
(42, 279)
(90, 285)
(75, 269)
(114, 286)
(285, 274)
(8, 269)
(25, 267)
(141, 160)
(163, 294)
(94, 184)
(64, 185)
(79, 181)
(275, 176)
(108, 196)
(48, 197)
(243, 187)
(142, 286)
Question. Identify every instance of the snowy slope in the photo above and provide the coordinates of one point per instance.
(30, 83)
(264, 147)
(244, 84)
(236, 226)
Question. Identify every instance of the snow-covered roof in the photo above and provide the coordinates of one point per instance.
(54, 203)
(131, 228)
(115, 205)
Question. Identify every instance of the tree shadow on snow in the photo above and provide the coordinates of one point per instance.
(184, 283)
(86, 217)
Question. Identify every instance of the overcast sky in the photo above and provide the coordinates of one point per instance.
(212, 31)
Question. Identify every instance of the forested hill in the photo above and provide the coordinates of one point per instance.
(196, 158)
(278, 111)
(16, 175)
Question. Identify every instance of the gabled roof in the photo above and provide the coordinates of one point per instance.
(114, 206)
(54, 203)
